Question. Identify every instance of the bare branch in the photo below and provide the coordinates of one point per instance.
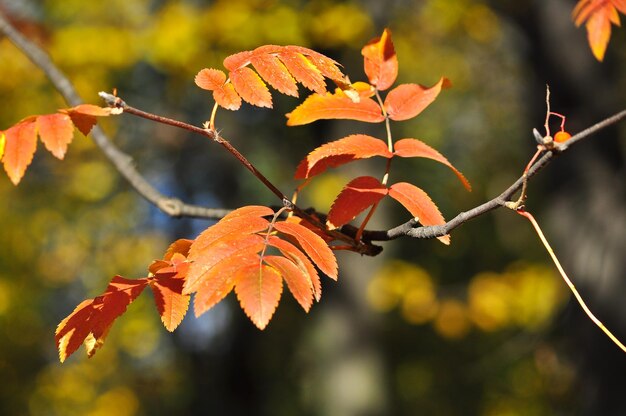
(122, 161)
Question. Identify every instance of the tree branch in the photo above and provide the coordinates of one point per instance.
(411, 228)
(122, 161)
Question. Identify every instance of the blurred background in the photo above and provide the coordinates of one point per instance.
(482, 327)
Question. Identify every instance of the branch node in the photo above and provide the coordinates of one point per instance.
(171, 206)
(112, 100)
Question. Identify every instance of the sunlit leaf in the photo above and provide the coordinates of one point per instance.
(56, 132)
(251, 87)
(210, 79)
(258, 289)
(302, 261)
(304, 71)
(380, 61)
(84, 116)
(335, 106)
(408, 100)
(20, 146)
(339, 152)
(313, 245)
(419, 204)
(297, 282)
(91, 320)
(171, 303)
(417, 148)
(271, 69)
(226, 97)
(599, 14)
(355, 198)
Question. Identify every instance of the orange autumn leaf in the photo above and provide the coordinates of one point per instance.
(210, 79)
(56, 132)
(282, 67)
(258, 288)
(251, 87)
(417, 148)
(354, 198)
(91, 320)
(408, 100)
(20, 146)
(313, 245)
(419, 204)
(335, 106)
(301, 261)
(339, 152)
(84, 116)
(598, 15)
(381, 61)
(227, 255)
(300, 287)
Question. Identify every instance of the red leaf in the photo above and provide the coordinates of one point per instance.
(170, 301)
(258, 289)
(21, 143)
(298, 283)
(339, 152)
(313, 245)
(91, 320)
(304, 71)
(417, 148)
(301, 260)
(380, 61)
(210, 79)
(419, 204)
(226, 97)
(251, 87)
(56, 132)
(408, 100)
(357, 196)
(335, 106)
(271, 69)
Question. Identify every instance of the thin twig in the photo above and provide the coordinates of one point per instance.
(568, 282)
(122, 161)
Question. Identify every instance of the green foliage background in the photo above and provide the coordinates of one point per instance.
(482, 327)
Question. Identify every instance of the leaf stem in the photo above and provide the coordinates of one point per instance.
(569, 283)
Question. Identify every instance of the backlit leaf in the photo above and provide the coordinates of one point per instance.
(408, 100)
(302, 261)
(258, 289)
(356, 197)
(271, 69)
(90, 322)
(599, 14)
(251, 87)
(313, 245)
(210, 79)
(20, 146)
(170, 301)
(220, 280)
(335, 106)
(226, 97)
(304, 71)
(84, 116)
(380, 61)
(56, 132)
(339, 152)
(417, 148)
(298, 284)
(419, 204)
